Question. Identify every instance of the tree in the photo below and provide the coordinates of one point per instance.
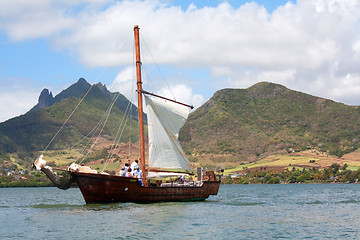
(344, 167)
(335, 168)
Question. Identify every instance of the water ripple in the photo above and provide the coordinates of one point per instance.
(293, 211)
(349, 201)
(316, 202)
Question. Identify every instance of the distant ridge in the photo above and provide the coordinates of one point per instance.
(77, 89)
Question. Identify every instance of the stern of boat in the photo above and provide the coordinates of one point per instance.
(212, 182)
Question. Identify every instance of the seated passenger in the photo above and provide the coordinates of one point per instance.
(122, 172)
(129, 174)
(126, 167)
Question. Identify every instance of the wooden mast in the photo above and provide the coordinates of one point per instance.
(140, 103)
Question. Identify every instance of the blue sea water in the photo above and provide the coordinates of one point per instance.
(294, 211)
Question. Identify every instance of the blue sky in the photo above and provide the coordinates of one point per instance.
(200, 47)
(270, 5)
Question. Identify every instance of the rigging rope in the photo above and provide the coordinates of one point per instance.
(132, 97)
(127, 114)
(118, 136)
(93, 131)
(130, 112)
(66, 120)
(81, 100)
(107, 113)
(157, 66)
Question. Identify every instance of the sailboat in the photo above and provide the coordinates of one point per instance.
(166, 158)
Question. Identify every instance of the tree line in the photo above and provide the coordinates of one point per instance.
(333, 174)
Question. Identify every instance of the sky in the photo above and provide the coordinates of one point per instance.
(190, 49)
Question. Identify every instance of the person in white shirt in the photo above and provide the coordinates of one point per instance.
(135, 164)
(126, 167)
(122, 172)
(138, 174)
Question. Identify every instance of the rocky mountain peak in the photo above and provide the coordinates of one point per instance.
(46, 99)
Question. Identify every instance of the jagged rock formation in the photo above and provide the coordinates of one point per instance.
(46, 99)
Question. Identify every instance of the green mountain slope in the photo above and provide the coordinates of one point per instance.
(234, 126)
(249, 124)
(34, 130)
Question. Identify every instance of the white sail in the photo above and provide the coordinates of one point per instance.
(165, 119)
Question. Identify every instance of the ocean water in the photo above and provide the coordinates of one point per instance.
(294, 211)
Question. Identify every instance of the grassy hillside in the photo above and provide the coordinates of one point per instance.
(266, 126)
(245, 125)
(24, 136)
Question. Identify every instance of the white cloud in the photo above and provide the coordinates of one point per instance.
(248, 77)
(346, 89)
(184, 94)
(125, 84)
(311, 46)
(11, 91)
(22, 19)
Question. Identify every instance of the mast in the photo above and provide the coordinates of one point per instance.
(140, 103)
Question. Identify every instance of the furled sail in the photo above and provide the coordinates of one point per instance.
(165, 119)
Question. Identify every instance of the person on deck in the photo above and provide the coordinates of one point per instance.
(184, 180)
(138, 174)
(122, 172)
(129, 174)
(126, 167)
(135, 164)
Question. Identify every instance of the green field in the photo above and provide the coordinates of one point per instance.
(287, 161)
(62, 157)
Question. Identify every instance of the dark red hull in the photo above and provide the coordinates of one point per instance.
(99, 188)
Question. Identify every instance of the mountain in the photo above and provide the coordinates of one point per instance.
(238, 125)
(233, 127)
(32, 131)
(46, 99)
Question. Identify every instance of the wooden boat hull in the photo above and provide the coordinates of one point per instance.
(99, 188)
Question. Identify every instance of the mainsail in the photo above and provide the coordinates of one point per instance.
(165, 118)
